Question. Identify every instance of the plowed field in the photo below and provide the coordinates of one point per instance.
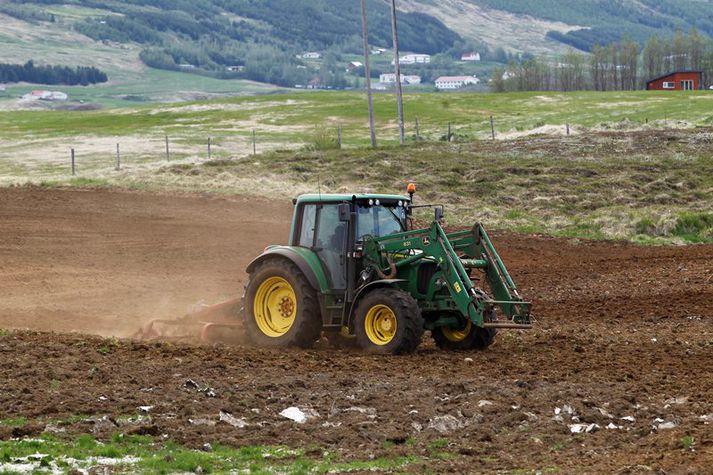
(623, 346)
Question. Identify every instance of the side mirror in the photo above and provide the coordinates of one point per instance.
(344, 212)
(439, 214)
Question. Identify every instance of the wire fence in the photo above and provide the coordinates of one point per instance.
(336, 136)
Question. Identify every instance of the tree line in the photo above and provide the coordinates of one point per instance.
(623, 65)
(28, 72)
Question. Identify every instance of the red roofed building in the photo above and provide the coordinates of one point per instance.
(677, 81)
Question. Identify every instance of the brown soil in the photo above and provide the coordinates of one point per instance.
(622, 331)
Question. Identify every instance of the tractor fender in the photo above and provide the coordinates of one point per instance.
(305, 259)
(363, 291)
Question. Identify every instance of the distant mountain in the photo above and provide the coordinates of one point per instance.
(543, 25)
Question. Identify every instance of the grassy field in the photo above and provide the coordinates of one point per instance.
(146, 454)
(145, 85)
(613, 177)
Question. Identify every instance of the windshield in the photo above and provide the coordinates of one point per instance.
(379, 221)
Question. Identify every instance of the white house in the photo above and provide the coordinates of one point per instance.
(414, 59)
(472, 56)
(390, 78)
(455, 82)
(45, 96)
(309, 55)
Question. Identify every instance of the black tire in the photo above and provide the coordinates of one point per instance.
(408, 322)
(307, 324)
(476, 339)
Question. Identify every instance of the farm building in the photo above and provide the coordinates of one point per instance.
(472, 56)
(45, 96)
(309, 55)
(414, 59)
(354, 65)
(455, 82)
(390, 78)
(677, 81)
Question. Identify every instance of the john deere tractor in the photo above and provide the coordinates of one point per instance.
(355, 267)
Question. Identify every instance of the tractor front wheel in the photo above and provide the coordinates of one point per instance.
(469, 337)
(388, 321)
(280, 308)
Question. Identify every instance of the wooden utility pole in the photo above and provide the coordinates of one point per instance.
(397, 67)
(367, 73)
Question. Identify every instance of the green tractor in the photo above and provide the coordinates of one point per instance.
(355, 268)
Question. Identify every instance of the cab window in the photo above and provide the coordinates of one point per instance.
(307, 226)
(379, 221)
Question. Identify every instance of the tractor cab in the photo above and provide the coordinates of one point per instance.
(334, 225)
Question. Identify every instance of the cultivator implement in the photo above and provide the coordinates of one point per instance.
(208, 324)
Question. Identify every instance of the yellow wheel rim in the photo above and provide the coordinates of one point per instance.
(457, 335)
(380, 324)
(275, 307)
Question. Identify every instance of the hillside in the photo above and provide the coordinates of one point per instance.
(550, 25)
(231, 47)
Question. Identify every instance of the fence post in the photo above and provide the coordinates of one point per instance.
(168, 154)
(448, 137)
(118, 158)
(567, 129)
(418, 132)
(208, 148)
(339, 135)
(73, 169)
(254, 144)
(492, 127)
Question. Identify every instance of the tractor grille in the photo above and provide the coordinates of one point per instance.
(425, 273)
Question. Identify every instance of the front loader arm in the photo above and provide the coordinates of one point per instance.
(435, 245)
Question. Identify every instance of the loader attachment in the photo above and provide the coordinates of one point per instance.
(476, 243)
(455, 255)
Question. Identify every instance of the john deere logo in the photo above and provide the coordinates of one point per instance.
(456, 287)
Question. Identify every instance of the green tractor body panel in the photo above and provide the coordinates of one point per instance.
(304, 258)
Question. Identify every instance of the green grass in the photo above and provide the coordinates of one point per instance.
(13, 422)
(144, 454)
(688, 442)
(468, 113)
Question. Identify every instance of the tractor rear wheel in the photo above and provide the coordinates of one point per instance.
(388, 321)
(280, 307)
(470, 337)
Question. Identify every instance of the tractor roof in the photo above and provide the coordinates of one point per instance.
(341, 197)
